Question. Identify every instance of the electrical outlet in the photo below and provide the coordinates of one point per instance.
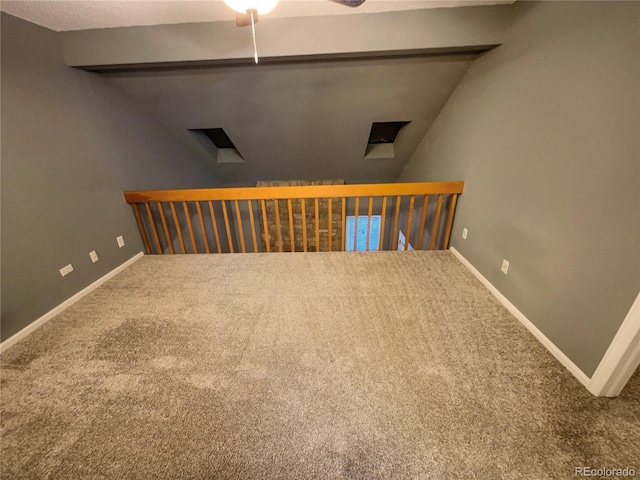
(464, 233)
(64, 271)
(93, 256)
(505, 266)
(120, 241)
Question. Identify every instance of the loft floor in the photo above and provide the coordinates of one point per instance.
(329, 365)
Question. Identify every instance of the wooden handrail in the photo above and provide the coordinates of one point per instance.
(197, 228)
(283, 193)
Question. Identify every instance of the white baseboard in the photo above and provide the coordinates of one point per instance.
(555, 351)
(66, 304)
(621, 358)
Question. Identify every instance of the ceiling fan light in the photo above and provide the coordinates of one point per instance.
(243, 6)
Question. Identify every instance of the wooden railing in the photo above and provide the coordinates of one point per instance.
(307, 218)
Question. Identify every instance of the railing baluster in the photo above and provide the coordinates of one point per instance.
(383, 215)
(291, 236)
(304, 224)
(344, 224)
(330, 225)
(204, 232)
(369, 212)
(214, 224)
(178, 228)
(408, 230)
(190, 226)
(265, 226)
(253, 226)
(154, 230)
(317, 225)
(225, 214)
(278, 232)
(356, 209)
(436, 221)
(145, 240)
(423, 219)
(239, 221)
(394, 238)
(165, 227)
(447, 232)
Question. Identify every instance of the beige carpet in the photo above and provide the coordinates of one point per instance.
(302, 366)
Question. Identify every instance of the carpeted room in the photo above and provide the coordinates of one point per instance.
(227, 366)
(322, 365)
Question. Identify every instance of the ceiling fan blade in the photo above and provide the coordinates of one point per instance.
(350, 3)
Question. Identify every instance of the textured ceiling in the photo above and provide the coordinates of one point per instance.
(63, 15)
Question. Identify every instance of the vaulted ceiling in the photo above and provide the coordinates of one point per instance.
(304, 112)
(301, 121)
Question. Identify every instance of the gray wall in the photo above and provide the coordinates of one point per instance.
(71, 143)
(544, 130)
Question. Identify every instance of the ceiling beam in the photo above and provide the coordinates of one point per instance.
(414, 32)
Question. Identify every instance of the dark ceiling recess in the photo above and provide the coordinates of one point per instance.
(219, 137)
(225, 151)
(385, 132)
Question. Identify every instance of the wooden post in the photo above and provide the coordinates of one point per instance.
(344, 222)
(225, 214)
(145, 240)
(317, 225)
(423, 219)
(383, 215)
(452, 208)
(265, 225)
(190, 226)
(304, 224)
(154, 230)
(369, 212)
(253, 226)
(178, 227)
(394, 239)
(408, 230)
(165, 227)
(292, 240)
(330, 225)
(202, 229)
(214, 224)
(278, 232)
(436, 221)
(240, 231)
(355, 224)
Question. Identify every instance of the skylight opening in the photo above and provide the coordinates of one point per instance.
(219, 137)
(385, 132)
(225, 151)
(382, 138)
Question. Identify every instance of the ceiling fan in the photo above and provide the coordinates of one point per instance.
(248, 9)
(247, 12)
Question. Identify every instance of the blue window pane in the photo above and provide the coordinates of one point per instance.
(374, 236)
